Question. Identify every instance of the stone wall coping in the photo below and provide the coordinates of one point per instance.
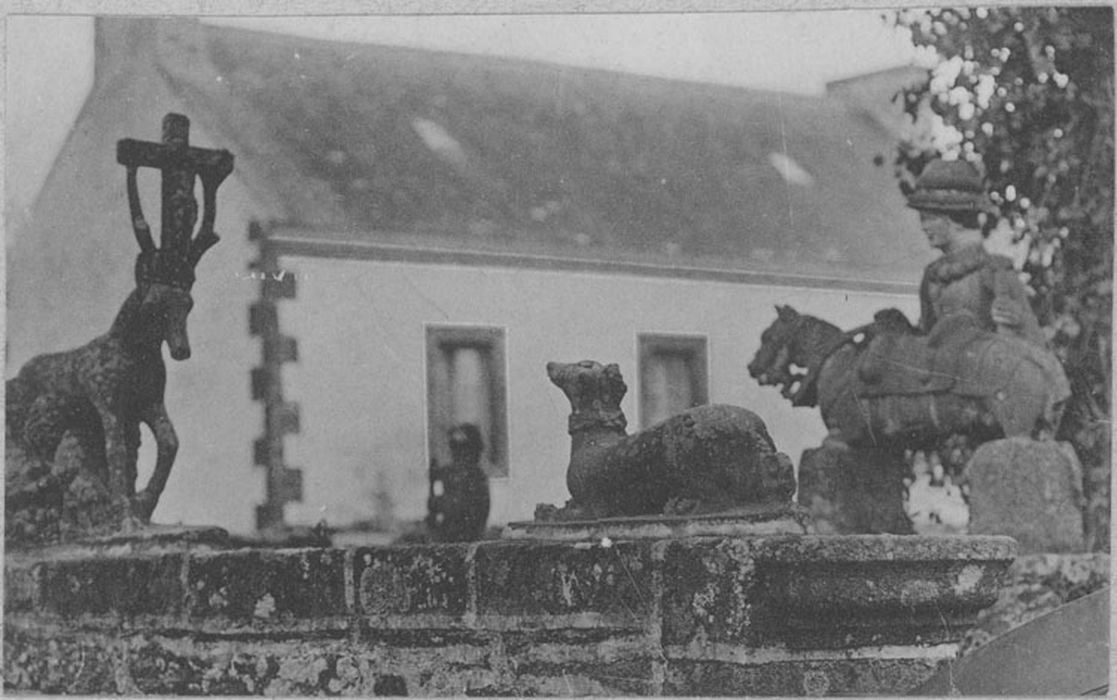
(460, 579)
(707, 615)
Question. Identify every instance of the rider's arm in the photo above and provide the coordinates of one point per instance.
(1010, 310)
(926, 307)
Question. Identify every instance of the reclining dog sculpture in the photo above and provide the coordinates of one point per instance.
(102, 391)
(707, 459)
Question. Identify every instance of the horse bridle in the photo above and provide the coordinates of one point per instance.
(807, 393)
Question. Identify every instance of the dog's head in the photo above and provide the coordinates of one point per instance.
(589, 385)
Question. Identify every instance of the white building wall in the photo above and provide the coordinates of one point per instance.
(361, 378)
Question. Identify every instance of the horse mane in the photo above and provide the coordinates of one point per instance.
(819, 340)
(821, 334)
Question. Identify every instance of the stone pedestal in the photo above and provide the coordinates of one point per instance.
(1028, 490)
(777, 615)
(56, 501)
(854, 490)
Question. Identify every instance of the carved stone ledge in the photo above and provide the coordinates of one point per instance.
(786, 615)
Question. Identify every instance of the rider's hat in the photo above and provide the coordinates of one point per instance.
(950, 186)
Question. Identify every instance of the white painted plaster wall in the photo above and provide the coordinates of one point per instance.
(361, 378)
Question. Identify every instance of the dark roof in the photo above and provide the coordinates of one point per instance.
(421, 146)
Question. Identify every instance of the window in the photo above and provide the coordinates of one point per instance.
(466, 384)
(672, 375)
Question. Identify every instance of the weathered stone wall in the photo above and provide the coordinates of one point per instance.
(713, 616)
(1035, 585)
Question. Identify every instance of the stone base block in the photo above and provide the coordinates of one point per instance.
(854, 490)
(1029, 490)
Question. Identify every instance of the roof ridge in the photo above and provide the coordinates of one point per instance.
(510, 61)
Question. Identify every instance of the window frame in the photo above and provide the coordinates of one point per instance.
(438, 338)
(694, 344)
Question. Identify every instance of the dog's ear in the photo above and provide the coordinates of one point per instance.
(785, 312)
(617, 387)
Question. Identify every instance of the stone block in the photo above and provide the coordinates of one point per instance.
(155, 669)
(854, 491)
(551, 584)
(707, 591)
(820, 677)
(625, 677)
(412, 580)
(1029, 490)
(837, 593)
(165, 666)
(854, 605)
(583, 661)
(21, 587)
(269, 587)
(44, 661)
(125, 586)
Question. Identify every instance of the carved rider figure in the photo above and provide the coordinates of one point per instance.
(966, 294)
(967, 283)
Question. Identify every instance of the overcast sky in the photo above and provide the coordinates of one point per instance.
(49, 58)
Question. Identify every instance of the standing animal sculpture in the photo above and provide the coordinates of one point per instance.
(102, 391)
(708, 459)
(983, 387)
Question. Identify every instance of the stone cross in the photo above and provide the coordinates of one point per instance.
(180, 163)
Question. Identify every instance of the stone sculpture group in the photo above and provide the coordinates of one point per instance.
(975, 367)
(73, 418)
(975, 364)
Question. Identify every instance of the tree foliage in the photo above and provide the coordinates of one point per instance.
(1027, 94)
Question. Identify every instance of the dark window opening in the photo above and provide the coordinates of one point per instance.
(673, 375)
(466, 384)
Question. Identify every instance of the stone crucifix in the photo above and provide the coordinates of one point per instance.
(180, 163)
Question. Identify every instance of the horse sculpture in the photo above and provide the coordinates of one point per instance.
(708, 459)
(102, 391)
(989, 388)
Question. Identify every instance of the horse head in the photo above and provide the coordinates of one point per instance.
(772, 364)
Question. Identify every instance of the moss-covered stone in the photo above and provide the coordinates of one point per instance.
(797, 678)
(707, 591)
(702, 615)
(124, 586)
(268, 588)
(536, 579)
(49, 661)
(411, 580)
(1034, 585)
